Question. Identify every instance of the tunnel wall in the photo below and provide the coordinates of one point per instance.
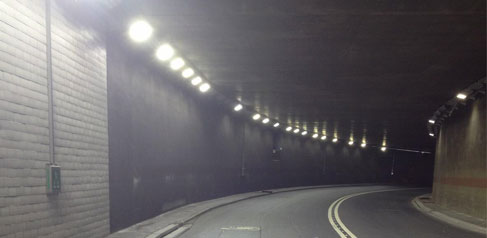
(80, 125)
(460, 176)
(171, 145)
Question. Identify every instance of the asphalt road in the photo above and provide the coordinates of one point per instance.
(307, 213)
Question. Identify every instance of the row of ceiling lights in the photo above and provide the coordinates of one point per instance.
(460, 96)
(140, 31)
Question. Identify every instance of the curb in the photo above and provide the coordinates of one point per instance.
(416, 202)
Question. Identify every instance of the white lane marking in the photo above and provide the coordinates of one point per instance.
(158, 233)
(335, 220)
(241, 228)
(178, 232)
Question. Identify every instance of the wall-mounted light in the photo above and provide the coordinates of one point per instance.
(256, 117)
(276, 124)
(289, 128)
(204, 87)
(304, 133)
(383, 148)
(164, 52)
(431, 134)
(431, 121)
(196, 80)
(296, 131)
(461, 96)
(238, 107)
(335, 140)
(350, 142)
(265, 121)
(140, 31)
(187, 73)
(177, 63)
(323, 138)
(363, 145)
(315, 136)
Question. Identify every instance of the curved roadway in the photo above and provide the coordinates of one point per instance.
(313, 213)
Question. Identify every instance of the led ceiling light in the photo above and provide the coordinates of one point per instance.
(196, 80)
(383, 148)
(335, 140)
(289, 128)
(164, 52)
(256, 116)
(296, 131)
(315, 136)
(363, 145)
(238, 107)
(187, 73)
(304, 133)
(461, 96)
(177, 63)
(323, 138)
(431, 121)
(350, 142)
(265, 121)
(205, 87)
(140, 31)
(276, 124)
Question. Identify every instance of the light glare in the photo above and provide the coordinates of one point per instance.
(315, 136)
(187, 73)
(350, 142)
(177, 63)
(140, 31)
(256, 116)
(276, 124)
(265, 121)
(164, 52)
(461, 96)
(195, 81)
(383, 148)
(431, 134)
(335, 140)
(304, 133)
(296, 131)
(431, 121)
(238, 107)
(363, 145)
(323, 138)
(205, 87)
(289, 128)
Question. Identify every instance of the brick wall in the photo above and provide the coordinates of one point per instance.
(80, 125)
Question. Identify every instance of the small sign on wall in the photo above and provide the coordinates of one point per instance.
(53, 179)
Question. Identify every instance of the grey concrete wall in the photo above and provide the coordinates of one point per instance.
(170, 145)
(80, 125)
(460, 177)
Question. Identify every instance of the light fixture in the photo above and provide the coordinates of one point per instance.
(265, 121)
(363, 145)
(204, 87)
(238, 107)
(431, 134)
(164, 52)
(350, 142)
(187, 73)
(296, 131)
(140, 31)
(276, 124)
(256, 116)
(177, 63)
(383, 148)
(431, 121)
(196, 80)
(335, 140)
(461, 96)
(304, 133)
(323, 138)
(289, 128)
(315, 136)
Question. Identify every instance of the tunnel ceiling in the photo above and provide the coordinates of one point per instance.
(373, 67)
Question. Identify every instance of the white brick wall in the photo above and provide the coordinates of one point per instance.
(80, 122)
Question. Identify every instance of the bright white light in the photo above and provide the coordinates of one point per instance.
(177, 63)
(323, 138)
(196, 80)
(431, 121)
(205, 87)
(289, 128)
(238, 107)
(265, 121)
(363, 145)
(296, 131)
(304, 133)
(383, 148)
(276, 124)
(164, 52)
(461, 96)
(140, 31)
(315, 136)
(431, 134)
(350, 142)
(187, 73)
(335, 140)
(256, 116)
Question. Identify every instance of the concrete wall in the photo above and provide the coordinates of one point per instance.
(80, 125)
(170, 145)
(460, 177)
